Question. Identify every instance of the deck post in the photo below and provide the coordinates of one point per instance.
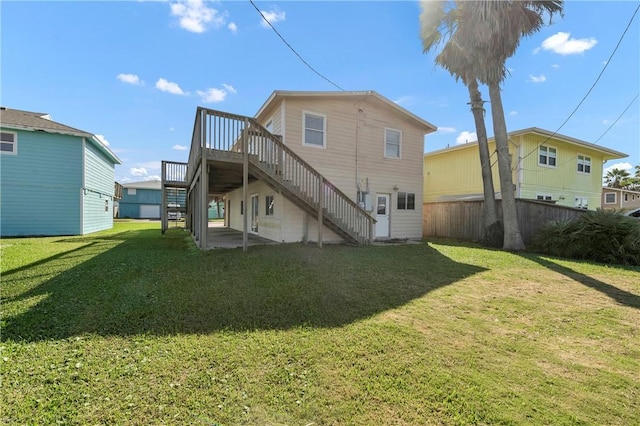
(204, 184)
(320, 207)
(245, 189)
(163, 207)
(371, 230)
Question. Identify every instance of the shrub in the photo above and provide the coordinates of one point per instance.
(602, 236)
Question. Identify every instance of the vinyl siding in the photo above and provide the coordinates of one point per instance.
(563, 182)
(354, 152)
(41, 186)
(285, 225)
(130, 204)
(98, 190)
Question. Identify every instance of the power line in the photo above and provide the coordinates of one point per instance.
(592, 86)
(619, 117)
(292, 49)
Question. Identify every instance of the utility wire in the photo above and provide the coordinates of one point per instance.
(592, 86)
(619, 117)
(292, 49)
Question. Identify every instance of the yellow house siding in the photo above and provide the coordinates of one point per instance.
(563, 182)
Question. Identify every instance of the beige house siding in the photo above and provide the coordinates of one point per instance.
(354, 152)
(287, 224)
(623, 199)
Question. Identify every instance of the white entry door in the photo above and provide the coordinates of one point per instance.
(254, 213)
(382, 215)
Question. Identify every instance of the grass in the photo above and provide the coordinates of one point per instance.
(133, 327)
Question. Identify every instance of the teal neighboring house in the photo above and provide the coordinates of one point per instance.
(141, 200)
(54, 179)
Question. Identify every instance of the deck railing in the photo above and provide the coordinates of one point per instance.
(117, 191)
(174, 173)
(224, 132)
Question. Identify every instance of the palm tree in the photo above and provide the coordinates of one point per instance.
(617, 178)
(490, 34)
(450, 58)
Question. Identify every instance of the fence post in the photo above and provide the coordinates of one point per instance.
(320, 208)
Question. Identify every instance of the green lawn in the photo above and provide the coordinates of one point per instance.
(134, 327)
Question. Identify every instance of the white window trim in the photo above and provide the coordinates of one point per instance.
(547, 164)
(615, 198)
(15, 143)
(544, 196)
(584, 156)
(576, 198)
(324, 130)
(399, 157)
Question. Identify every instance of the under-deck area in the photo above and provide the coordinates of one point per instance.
(221, 237)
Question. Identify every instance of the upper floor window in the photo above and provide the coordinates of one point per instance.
(8, 143)
(584, 164)
(544, 197)
(547, 156)
(392, 142)
(314, 127)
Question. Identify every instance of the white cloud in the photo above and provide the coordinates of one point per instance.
(102, 140)
(180, 147)
(446, 129)
(513, 113)
(622, 166)
(537, 79)
(555, 66)
(229, 88)
(562, 44)
(153, 177)
(465, 137)
(138, 171)
(129, 78)
(273, 16)
(606, 122)
(167, 86)
(195, 16)
(214, 95)
(232, 27)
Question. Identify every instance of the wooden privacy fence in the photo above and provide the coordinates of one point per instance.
(463, 219)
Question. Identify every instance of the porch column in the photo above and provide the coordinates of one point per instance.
(245, 189)
(320, 207)
(204, 184)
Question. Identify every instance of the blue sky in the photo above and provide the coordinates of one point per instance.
(134, 72)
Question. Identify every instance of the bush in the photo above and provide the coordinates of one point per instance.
(603, 236)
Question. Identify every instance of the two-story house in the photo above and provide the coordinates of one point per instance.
(311, 166)
(546, 166)
(55, 179)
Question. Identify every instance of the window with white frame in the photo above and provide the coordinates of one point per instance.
(314, 126)
(406, 201)
(609, 197)
(9, 143)
(392, 142)
(626, 197)
(106, 206)
(581, 203)
(547, 156)
(584, 164)
(269, 205)
(544, 197)
(131, 191)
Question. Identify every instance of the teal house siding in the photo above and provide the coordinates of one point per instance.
(98, 188)
(130, 203)
(57, 181)
(41, 185)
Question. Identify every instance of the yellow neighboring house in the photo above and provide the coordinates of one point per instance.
(546, 166)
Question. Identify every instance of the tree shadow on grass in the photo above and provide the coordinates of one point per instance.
(622, 297)
(152, 284)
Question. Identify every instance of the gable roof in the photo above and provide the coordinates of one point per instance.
(281, 94)
(608, 153)
(41, 122)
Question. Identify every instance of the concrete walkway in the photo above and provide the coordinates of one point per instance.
(220, 237)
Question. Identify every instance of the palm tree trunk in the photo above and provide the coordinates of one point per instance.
(512, 238)
(493, 232)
